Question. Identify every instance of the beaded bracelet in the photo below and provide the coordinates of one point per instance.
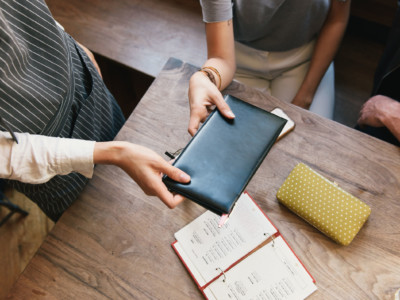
(209, 75)
(205, 69)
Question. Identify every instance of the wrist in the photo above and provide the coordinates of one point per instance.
(110, 153)
(213, 74)
(198, 75)
(207, 73)
(390, 112)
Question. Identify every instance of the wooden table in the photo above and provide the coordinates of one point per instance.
(141, 34)
(114, 241)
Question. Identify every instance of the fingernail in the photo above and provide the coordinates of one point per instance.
(184, 177)
(229, 113)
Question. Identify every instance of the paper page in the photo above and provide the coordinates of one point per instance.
(212, 249)
(271, 273)
(186, 260)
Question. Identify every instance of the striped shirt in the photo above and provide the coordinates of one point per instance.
(49, 86)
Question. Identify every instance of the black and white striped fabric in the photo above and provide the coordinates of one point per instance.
(49, 86)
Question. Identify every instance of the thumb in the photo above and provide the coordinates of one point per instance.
(194, 123)
(224, 108)
(175, 173)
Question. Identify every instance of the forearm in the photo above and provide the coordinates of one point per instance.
(109, 153)
(326, 46)
(221, 51)
(36, 159)
(226, 68)
(220, 68)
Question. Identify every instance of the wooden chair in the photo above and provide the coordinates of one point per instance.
(5, 202)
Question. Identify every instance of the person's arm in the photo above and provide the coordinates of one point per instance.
(381, 111)
(36, 159)
(203, 94)
(327, 44)
(144, 166)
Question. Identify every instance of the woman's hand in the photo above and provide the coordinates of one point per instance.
(302, 101)
(203, 96)
(144, 166)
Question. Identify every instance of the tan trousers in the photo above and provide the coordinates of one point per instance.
(281, 74)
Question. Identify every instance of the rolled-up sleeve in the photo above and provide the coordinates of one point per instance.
(216, 10)
(36, 159)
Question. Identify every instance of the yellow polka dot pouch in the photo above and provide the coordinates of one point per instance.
(323, 204)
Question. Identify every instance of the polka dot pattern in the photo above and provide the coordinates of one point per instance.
(323, 204)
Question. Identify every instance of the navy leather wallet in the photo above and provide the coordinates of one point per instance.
(224, 154)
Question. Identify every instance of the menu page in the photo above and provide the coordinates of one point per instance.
(273, 272)
(207, 249)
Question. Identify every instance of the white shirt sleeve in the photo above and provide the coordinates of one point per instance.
(36, 158)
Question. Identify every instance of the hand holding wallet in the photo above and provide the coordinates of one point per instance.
(224, 154)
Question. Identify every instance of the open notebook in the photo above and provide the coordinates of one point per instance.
(247, 258)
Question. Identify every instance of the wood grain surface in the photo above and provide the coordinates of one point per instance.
(20, 238)
(141, 34)
(114, 242)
